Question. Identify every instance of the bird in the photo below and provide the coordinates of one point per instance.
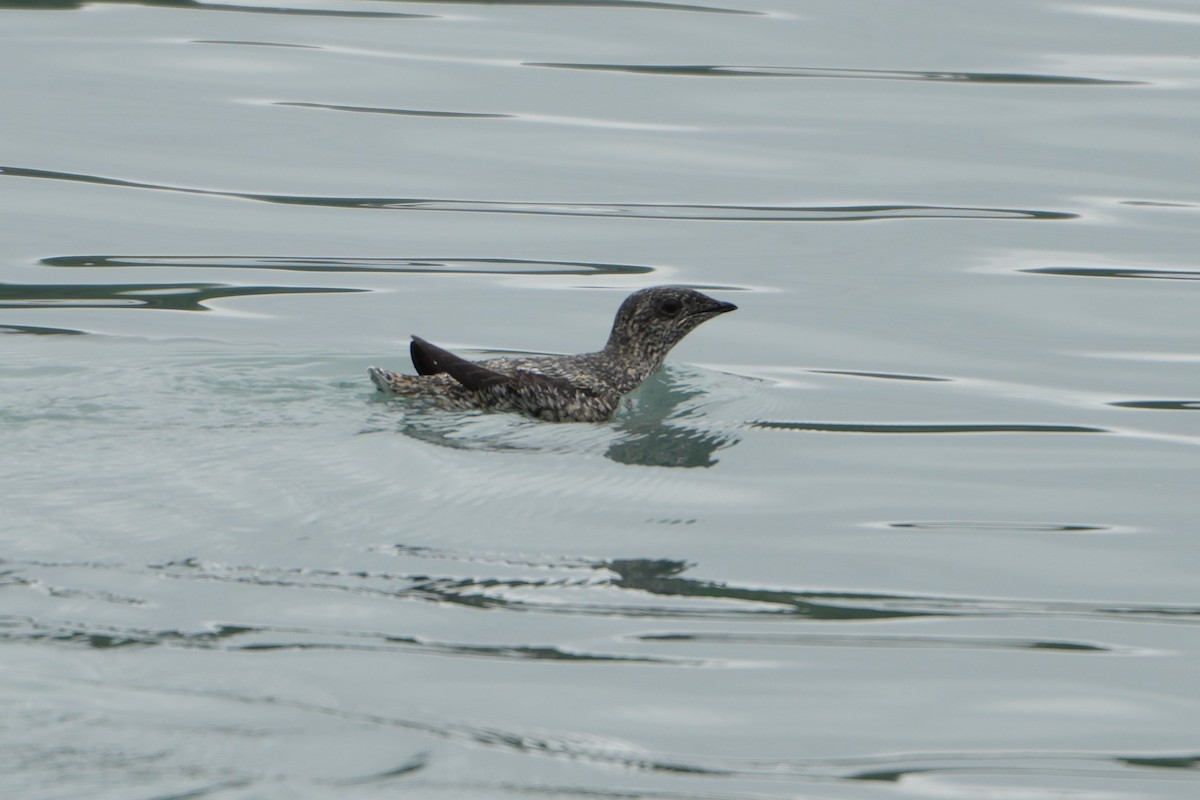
(581, 388)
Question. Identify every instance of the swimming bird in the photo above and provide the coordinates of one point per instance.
(580, 388)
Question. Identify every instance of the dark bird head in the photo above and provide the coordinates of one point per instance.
(652, 321)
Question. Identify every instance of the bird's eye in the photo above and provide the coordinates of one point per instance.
(670, 306)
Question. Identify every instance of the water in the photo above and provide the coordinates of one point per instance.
(917, 521)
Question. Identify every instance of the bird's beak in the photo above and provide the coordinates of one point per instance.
(720, 307)
(711, 309)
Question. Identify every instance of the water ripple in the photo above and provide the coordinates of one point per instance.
(1098, 765)
(639, 589)
(890, 376)
(646, 588)
(671, 211)
(889, 767)
(1118, 272)
(977, 526)
(420, 762)
(247, 43)
(1160, 405)
(192, 5)
(904, 642)
(639, 4)
(402, 112)
(172, 296)
(273, 638)
(735, 71)
(37, 330)
(434, 265)
(830, 427)
(587, 122)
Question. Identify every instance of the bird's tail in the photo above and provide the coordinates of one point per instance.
(381, 378)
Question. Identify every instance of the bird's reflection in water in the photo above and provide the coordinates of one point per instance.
(656, 432)
(661, 425)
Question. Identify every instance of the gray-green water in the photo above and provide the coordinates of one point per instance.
(919, 520)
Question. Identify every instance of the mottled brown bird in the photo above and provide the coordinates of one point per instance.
(581, 388)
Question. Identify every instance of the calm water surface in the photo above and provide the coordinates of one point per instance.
(919, 520)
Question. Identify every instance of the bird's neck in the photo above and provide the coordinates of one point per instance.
(634, 360)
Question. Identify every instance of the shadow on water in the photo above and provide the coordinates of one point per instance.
(436, 265)
(735, 71)
(73, 5)
(676, 211)
(172, 296)
(658, 429)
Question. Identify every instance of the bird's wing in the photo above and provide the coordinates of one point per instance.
(429, 359)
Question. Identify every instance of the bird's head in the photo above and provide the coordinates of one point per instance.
(652, 321)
